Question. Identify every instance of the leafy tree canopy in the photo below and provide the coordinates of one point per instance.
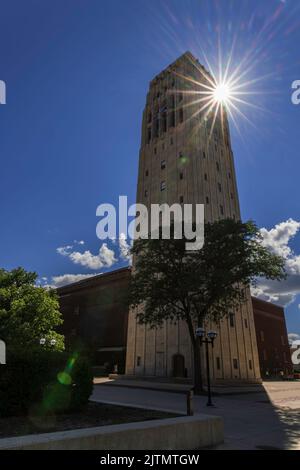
(173, 283)
(28, 312)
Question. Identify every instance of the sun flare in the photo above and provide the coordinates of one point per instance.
(221, 93)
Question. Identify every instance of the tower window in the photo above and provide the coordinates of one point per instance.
(229, 175)
(146, 192)
(265, 355)
(146, 172)
(163, 164)
(250, 364)
(155, 151)
(218, 363)
(235, 364)
(181, 200)
(231, 320)
(219, 187)
(204, 154)
(181, 176)
(218, 166)
(181, 115)
(162, 185)
(207, 200)
(205, 176)
(246, 322)
(138, 361)
(221, 210)
(172, 119)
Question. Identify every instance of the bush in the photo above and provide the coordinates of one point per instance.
(44, 382)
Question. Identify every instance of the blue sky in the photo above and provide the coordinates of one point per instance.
(77, 73)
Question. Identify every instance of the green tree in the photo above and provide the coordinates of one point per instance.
(170, 283)
(28, 312)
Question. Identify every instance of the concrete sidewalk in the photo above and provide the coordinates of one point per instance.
(269, 419)
(176, 387)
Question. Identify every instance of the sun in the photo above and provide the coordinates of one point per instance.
(221, 93)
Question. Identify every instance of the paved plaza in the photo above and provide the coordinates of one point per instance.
(268, 418)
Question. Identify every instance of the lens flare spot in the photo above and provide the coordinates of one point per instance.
(64, 378)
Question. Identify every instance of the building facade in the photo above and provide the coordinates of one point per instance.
(186, 157)
(95, 313)
(272, 339)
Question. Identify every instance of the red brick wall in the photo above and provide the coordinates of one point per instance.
(272, 340)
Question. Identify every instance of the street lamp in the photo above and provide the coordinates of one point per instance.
(207, 338)
(43, 342)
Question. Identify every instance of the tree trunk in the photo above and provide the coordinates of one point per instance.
(198, 384)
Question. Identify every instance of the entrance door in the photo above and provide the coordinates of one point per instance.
(160, 364)
(178, 365)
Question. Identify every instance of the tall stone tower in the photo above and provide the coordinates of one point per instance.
(182, 161)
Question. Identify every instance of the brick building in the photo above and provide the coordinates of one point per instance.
(271, 336)
(95, 311)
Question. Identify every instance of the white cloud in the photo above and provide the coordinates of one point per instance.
(294, 339)
(278, 239)
(64, 279)
(64, 250)
(293, 336)
(124, 248)
(105, 258)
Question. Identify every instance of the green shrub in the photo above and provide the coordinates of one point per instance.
(44, 382)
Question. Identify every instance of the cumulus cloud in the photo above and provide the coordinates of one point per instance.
(293, 336)
(124, 248)
(105, 257)
(278, 240)
(64, 279)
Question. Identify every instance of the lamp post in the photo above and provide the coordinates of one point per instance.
(207, 338)
(43, 342)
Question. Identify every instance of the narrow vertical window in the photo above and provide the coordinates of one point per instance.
(181, 115)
